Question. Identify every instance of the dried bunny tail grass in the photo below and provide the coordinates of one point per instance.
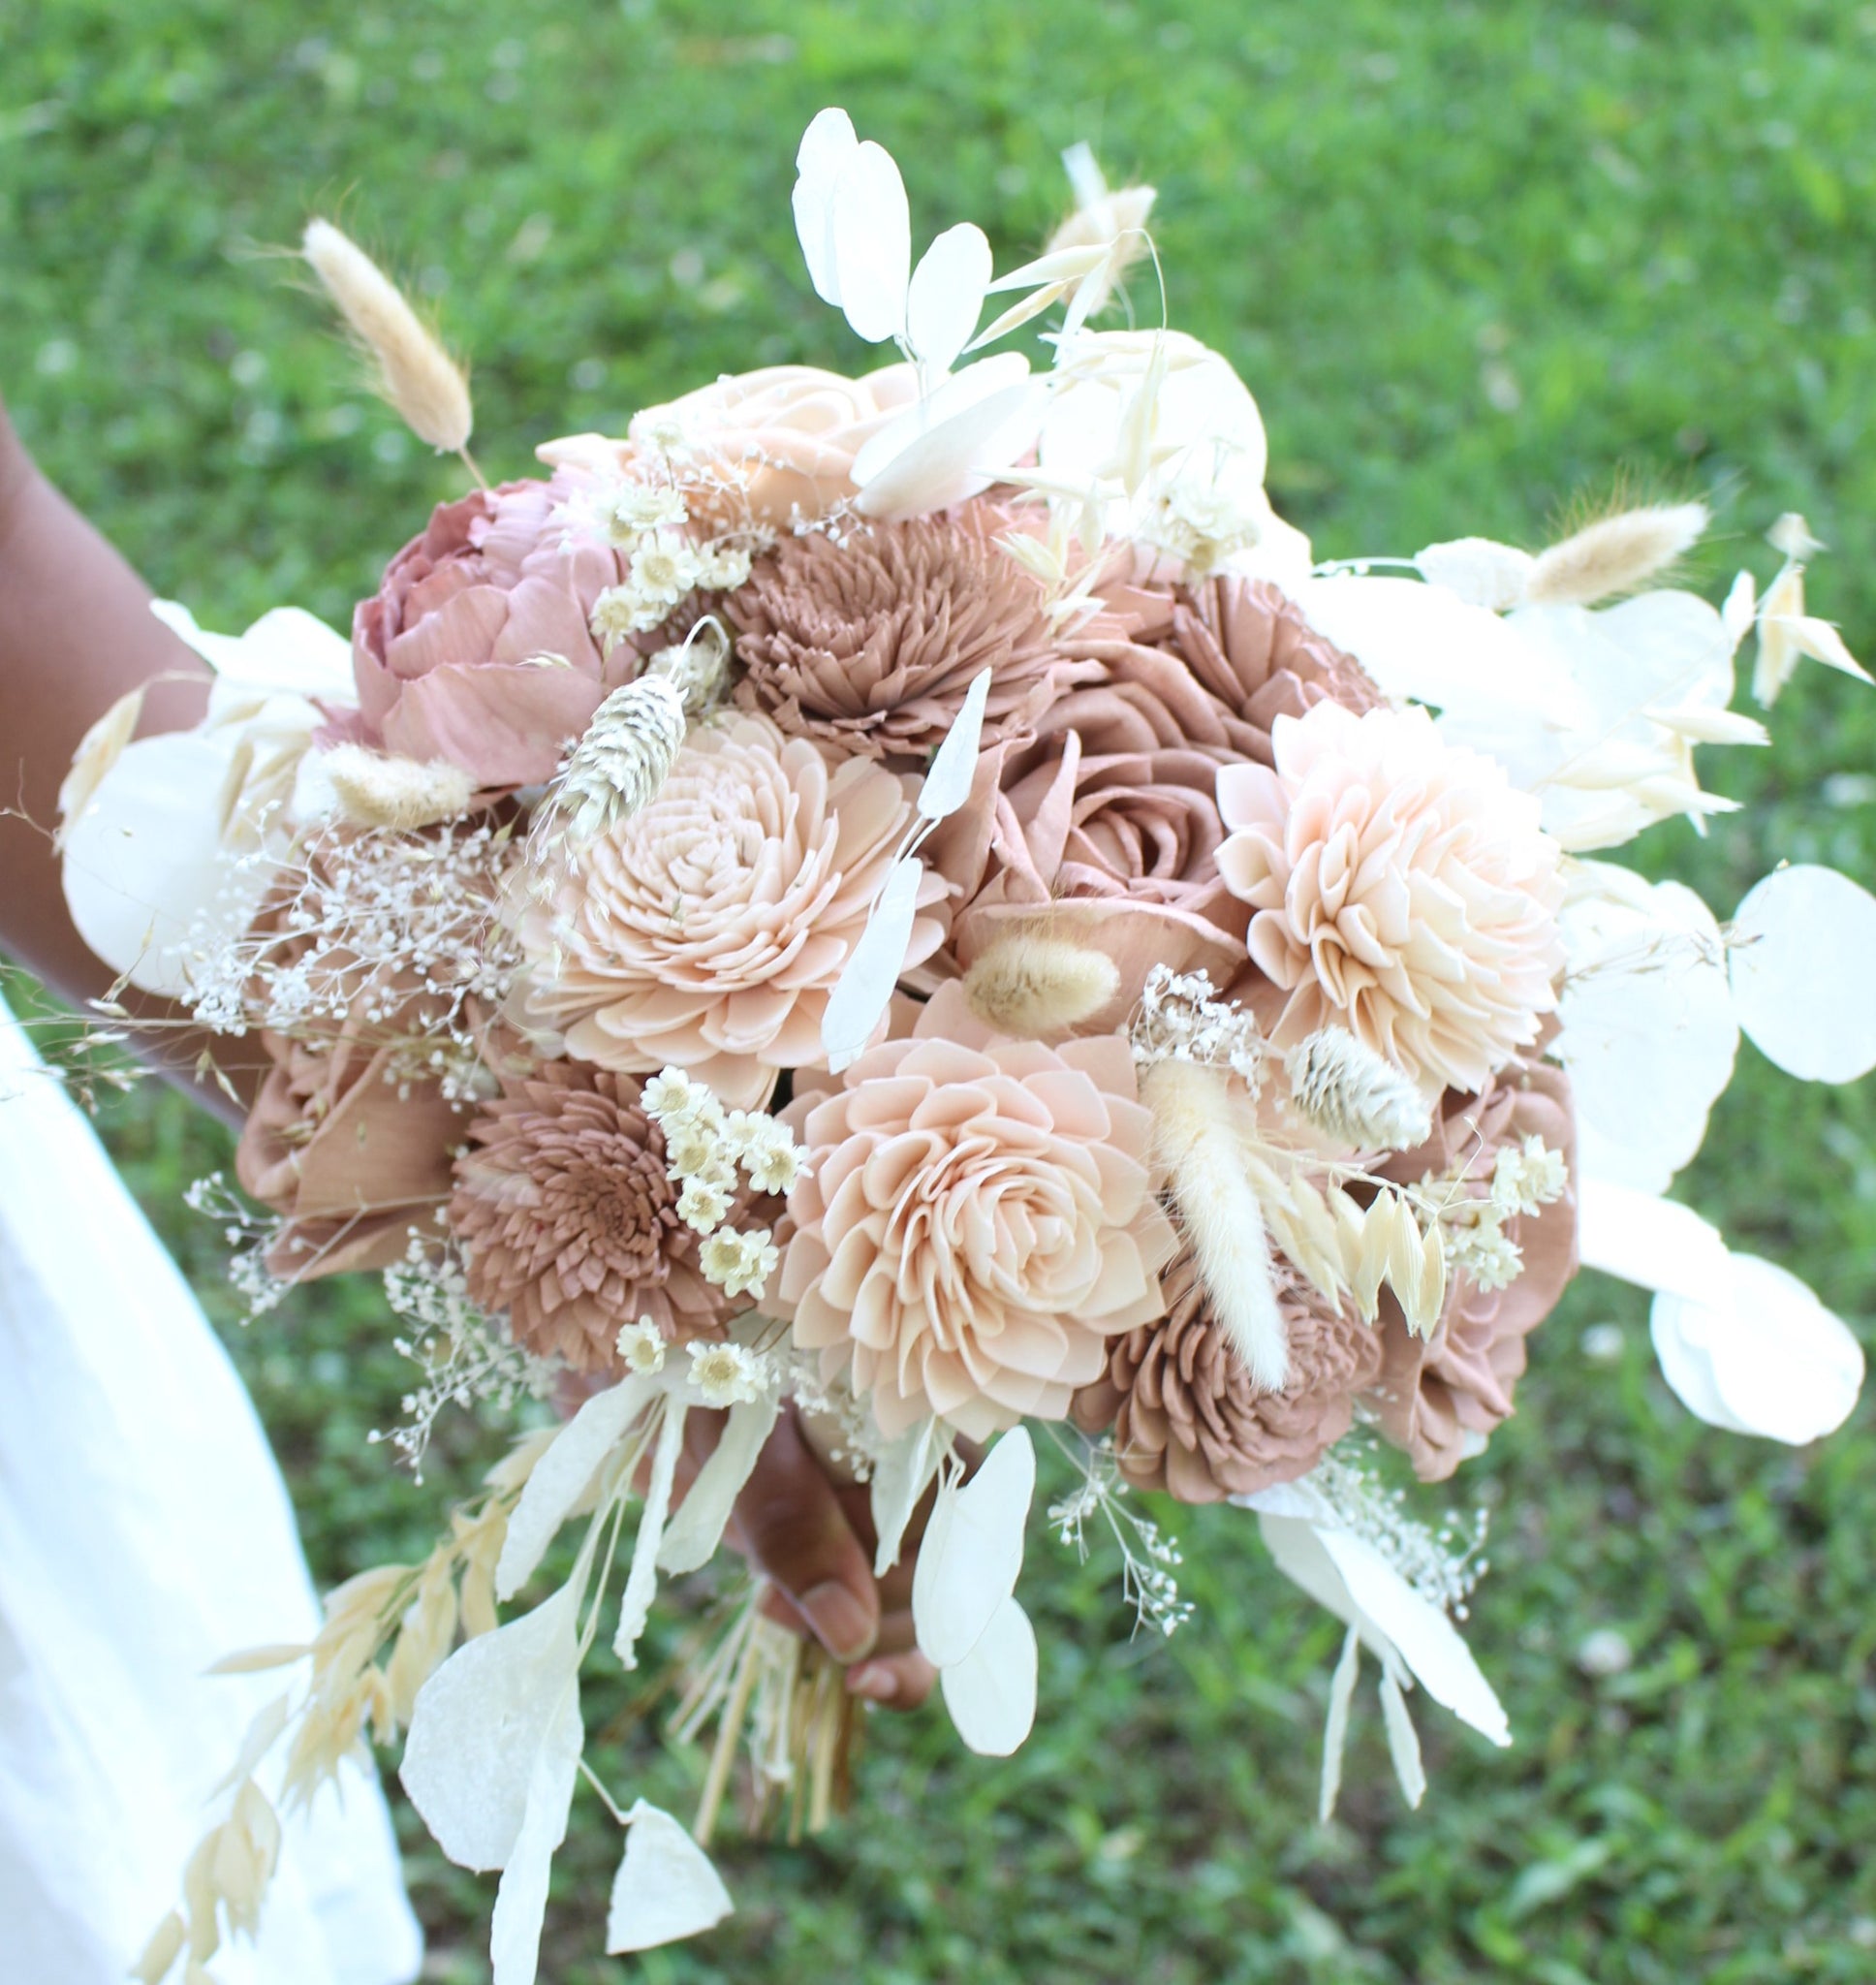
(374, 790)
(1615, 554)
(1197, 1139)
(1350, 1092)
(415, 373)
(1029, 984)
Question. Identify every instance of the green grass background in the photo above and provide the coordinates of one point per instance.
(1475, 262)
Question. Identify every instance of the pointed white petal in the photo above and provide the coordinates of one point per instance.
(1656, 1244)
(954, 766)
(1803, 959)
(641, 1580)
(946, 297)
(872, 243)
(859, 999)
(826, 145)
(973, 1552)
(992, 1692)
(1341, 1697)
(483, 1719)
(1404, 1741)
(901, 1475)
(562, 1476)
(666, 1887)
(693, 1535)
(1771, 1360)
(1739, 609)
(1059, 266)
(522, 1900)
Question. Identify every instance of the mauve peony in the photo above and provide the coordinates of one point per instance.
(708, 930)
(975, 1221)
(1403, 888)
(477, 648)
(1439, 1396)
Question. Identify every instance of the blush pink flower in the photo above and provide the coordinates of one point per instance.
(706, 931)
(975, 1221)
(1403, 888)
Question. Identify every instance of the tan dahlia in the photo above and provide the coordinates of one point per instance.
(977, 1220)
(706, 931)
(1186, 1416)
(569, 1221)
(1403, 888)
(872, 642)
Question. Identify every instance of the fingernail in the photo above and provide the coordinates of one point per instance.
(841, 1624)
(875, 1681)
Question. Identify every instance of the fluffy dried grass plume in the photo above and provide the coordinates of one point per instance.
(1029, 984)
(1103, 218)
(379, 791)
(415, 373)
(1354, 1094)
(1614, 556)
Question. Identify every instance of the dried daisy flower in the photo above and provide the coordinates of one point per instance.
(728, 1375)
(641, 1346)
(740, 1264)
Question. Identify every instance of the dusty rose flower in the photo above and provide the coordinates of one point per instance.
(477, 647)
(569, 1221)
(706, 931)
(349, 1153)
(1208, 667)
(1437, 1395)
(1185, 1415)
(975, 1221)
(1403, 888)
(870, 643)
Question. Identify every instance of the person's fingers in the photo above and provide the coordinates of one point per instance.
(791, 1523)
(901, 1681)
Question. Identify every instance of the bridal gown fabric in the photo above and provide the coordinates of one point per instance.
(144, 1533)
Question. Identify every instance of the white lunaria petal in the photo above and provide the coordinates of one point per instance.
(954, 766)
(861, 996)
(1404, 1741)
(1481, 571)
(946, 297)
(872, 243)
(1771, 1360)
(522, 1900)
(826, 145)
(902, 1472)
(973, 1552)
(562, 1476)
(480, 1721)
(1804, 958)
(954, 444)
(693, 1535)
(666, 1887)
(992, 1692)
(1655, 1244)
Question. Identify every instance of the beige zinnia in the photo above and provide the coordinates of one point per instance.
(1403, 889)
(977, 1220)
(706, 931)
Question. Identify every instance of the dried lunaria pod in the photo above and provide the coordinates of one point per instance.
(415, 373)
(1030, 984)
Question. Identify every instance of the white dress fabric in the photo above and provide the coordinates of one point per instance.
(144, 1533)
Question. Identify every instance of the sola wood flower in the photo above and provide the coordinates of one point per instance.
(1186, 1415)
(570, 1222)
(873, 644)
(707, 931)
(1403, 888)
(978, 1219)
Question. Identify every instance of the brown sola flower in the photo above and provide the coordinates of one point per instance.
(871, 642)
(1187, 1418)
(569, 1221)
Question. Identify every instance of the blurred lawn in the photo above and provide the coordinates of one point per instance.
(1474, 261)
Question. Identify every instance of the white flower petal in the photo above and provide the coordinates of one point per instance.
(946, 297)
(972, 1551)
(872, 243)
(666, 1887)
(992, 1692)
(1771, 1360)
(1803, 959)
(826, 145)
(562, 1476)
(863, 991)
(1656, 1244)
(693, 1535)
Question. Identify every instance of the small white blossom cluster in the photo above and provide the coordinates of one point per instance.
(249, 1234)
(705, 1146)
(1182, 1019)
(1443, 1566)
(1148, 1556)
(664, 564)
(1524, 1178)
(854, 1441)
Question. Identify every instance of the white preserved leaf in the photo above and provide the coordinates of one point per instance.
(642, 1579)
(1656, 1244)
(872, 243)
(992, 1692)
(861, 996)
(562, 1476)
(972, 1551)
(521, 1899)
(483, 1719)
(902, 1472)
(946, 295)
(693, 1535)
(1404, 1741)
(953, 444)
(1341, 1699)
(665, 1888)
(954, 766)
(1479, 569)
(1803, 959)
(826, 145)
(1771, 1360)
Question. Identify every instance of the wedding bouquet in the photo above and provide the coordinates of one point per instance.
(917, 902)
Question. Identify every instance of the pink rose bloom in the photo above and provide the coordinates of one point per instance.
(975, 1221)
(477, 648)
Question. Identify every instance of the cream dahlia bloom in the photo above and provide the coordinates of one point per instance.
(977, 1220)
(706, 931)
(1403, 888)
